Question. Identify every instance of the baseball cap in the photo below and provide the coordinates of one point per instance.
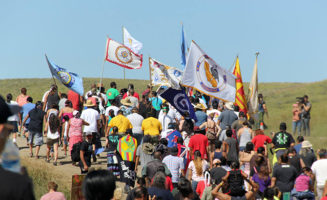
(88, 133)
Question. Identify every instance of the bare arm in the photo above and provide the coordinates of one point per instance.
(83, 160)
(273, 182)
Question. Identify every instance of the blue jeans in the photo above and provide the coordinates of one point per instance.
(194, 185)
(303, 195)
(296, 125)
(306, 127)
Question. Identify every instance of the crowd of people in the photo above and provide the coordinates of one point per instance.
(160, 153)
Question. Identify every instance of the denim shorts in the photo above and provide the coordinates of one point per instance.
(35, 137)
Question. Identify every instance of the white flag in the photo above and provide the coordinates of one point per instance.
(202, 73)
(122, 55)
(253, 90)
(131, 43)
(165, 75)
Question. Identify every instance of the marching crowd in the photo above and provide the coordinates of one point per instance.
(160, 153)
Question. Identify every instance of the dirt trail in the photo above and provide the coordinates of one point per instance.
(64, 167)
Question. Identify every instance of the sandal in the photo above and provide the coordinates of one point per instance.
(31, 155)
(47, 160)
(55, 163)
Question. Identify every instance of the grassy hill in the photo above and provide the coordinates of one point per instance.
(279, 98)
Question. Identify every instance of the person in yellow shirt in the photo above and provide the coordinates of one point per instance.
(152, 126)
(121, 122)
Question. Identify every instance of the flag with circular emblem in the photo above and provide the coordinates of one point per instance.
(121, 55)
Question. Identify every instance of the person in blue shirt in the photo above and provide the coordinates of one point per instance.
(26, 108)
(156, 101)
(200, 115)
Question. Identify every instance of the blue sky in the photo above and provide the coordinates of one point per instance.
(290, 35)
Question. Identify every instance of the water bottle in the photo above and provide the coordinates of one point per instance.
(10, 159)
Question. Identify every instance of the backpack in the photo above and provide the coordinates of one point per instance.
(75, 154)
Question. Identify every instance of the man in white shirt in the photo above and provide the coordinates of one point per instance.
(136, 120)
(319, 170)
(92, 117)
(165, 119)
(214, 110)
(175, 165)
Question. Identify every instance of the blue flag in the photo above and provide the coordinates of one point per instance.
(69, 79)
(180, 101)
(183, 49)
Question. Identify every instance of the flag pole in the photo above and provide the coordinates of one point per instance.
(124, 44)
(150, 72)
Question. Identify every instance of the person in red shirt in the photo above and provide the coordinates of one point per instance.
(199, 142)
(260, 139)
(76, 99)
(131, 92)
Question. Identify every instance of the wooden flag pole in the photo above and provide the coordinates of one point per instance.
(124, 44)
(150, 72)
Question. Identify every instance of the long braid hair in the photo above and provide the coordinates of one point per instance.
(53, 123)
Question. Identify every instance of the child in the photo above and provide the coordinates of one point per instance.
(303, 187)
(64, 133)
(235, 179)
(263, 179)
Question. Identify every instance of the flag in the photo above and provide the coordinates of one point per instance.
(240, 95)
(121, 55)
(253, 90)
(164, 75)
(180, 101)
(69, 79)
(202, 73)
(183, 49)
(130, 42)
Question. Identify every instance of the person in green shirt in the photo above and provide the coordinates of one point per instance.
(112, 93)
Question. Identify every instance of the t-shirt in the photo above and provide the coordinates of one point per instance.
(238, 124)
(36, 120)
(298, 147)
(136, 121)
(88, 149)
(13, 118)
(216, 115)
(285, 177)
(172, 137)
(26, 109)
(201, 116)
(114, 108)
(74, 98)
(232, 154)
(53, 196)
(226, 118)
(151, 126)
(121, 122)
(196, 177)
(175, 164)
(112, 93)
(199, 142)
(263, 183)
(165, 120)
(319, 170)
(217, 174)
(282, 140)
(306, 114)
(113, 141)
(296, 163)
(136, 95)
(259, 141)
(156, 103)
(91, 116)
(309, 158)
(21, 99)
(160, 193)
(302, 183)
(144, 158)
(62, 103)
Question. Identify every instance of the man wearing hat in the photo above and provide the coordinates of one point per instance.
(13, 185)
(92, 116)
(200, 115)
(282, 140)
(127, 106)
(144, 152)
(226, 119)
(175, 165)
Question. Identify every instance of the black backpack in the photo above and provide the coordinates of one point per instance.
(75, 154)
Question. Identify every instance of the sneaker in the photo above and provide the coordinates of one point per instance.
(55, 163)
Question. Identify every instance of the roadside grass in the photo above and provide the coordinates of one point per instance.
(41, 174)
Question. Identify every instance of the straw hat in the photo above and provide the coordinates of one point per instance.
(306, 144)
(229, 105)
(89, 103)
(199, 106)
(126, 102)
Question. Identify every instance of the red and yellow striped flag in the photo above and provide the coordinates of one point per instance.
(240, 95)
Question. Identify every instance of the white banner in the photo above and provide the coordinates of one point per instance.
(122, 55)
(202, 73)
(165, 75)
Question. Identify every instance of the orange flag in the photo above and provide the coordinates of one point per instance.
(240, 95)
